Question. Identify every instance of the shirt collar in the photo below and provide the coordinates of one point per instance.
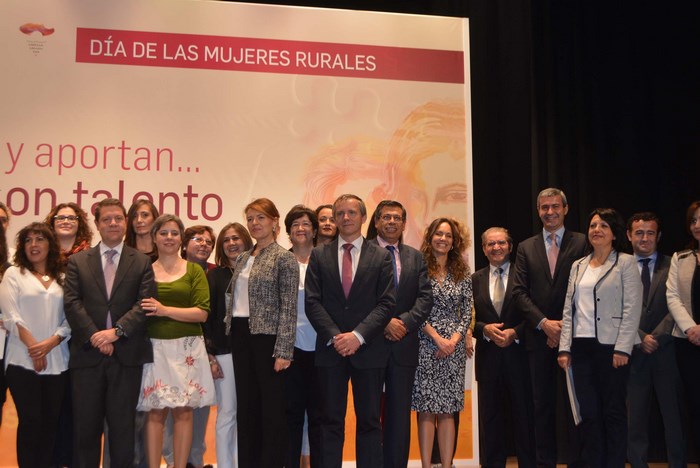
(652, 257)
(505, 266)
(559, 232)
(357, 243)
(119, 247)
(384, 244)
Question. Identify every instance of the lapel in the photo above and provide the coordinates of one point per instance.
(125, 261)
(565, 242)
(659, 268)
(94, 261)
(364, 262)
(541, 253)
(484, 292)
(330, 257)
(406, 262)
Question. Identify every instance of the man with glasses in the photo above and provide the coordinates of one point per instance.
(103, 290)
(414, 299)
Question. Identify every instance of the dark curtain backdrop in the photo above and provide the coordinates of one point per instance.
(599, 98)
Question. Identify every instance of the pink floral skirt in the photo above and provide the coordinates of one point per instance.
(179, 375)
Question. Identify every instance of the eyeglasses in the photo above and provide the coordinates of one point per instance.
(396, 218)
(61, 218)
(202, 240)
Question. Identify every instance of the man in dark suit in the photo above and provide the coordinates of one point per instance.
(653, 363)
(414, 300)
(501, 360)
(350, 297)
(109, 344)
(542, 267)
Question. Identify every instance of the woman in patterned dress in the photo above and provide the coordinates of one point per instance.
(179, 378)
(438, 390)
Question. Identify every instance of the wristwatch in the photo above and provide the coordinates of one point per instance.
(119, 331)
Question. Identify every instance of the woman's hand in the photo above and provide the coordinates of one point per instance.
(445, 347)
(216, 371)
(152, 307)
(282, 364)
(42, 348)
(619, 360)
(693, 334)
(39, 364)
(564, 360)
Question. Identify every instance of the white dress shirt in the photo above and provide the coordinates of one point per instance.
(26, 302)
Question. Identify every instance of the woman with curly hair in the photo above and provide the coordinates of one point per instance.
(69, 222)
(31, 299)
(438, 389)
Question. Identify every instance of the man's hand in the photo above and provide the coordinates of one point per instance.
(693, 334)
(395, 330)
(101, 338)
(552, 328)
(107, 349)
(649, 344)
(346, 344)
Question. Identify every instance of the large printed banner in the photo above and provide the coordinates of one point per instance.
(202, 106)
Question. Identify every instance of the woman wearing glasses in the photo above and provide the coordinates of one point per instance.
(69, 222)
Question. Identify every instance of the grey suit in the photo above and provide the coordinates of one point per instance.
(107, 386)
(657, 371)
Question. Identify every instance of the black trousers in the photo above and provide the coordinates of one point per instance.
(38, 401)
(303, 398)
(108, 391)
(602, 393)
(396, 418)
(366, 391)
(688, 358)
(262, 403)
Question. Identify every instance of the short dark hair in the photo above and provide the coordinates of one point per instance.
(644, 216)
(372, 229)
(296, 212)
(192, 231)
(617, 226)
(105, 203)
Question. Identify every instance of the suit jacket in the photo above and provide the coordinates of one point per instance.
(617, 303)
(537, 293)
(489, 359)
(86, 306)
(414, 300)
(656, 318)
(678, 290)
(367, 309)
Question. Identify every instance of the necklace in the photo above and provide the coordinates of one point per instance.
(45, 278)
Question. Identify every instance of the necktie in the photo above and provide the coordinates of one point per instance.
(646, 278)
(110, 270)
(553, 253)
(347, 269)
(498, 291)
(392, 251)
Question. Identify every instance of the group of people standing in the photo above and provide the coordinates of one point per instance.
(152, 332)
(578, 335)
(153, 335)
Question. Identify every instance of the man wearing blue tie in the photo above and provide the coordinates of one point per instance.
(653, 365)
(414, 299)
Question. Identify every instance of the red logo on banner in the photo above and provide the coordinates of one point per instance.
(140, 48)
(29, 28)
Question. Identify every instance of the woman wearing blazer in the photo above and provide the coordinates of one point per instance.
(261, 320)
(599, 326)
(682, 285)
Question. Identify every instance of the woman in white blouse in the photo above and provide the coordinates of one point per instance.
(31, 300)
